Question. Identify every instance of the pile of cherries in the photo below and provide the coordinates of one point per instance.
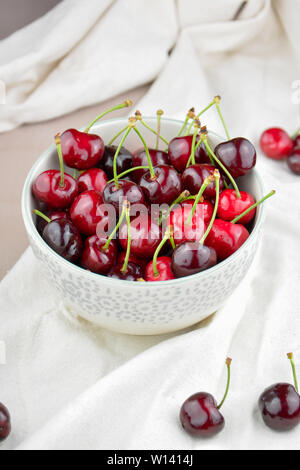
(278, 145)
(279, 405)
(150, 215)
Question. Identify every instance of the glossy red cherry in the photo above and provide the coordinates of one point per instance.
(47, 188)
(230, 206)
(125, 191)
(293, 160)
(280, 404)
(164, 268)
(98, 258)
(183, 231)
(296, 141)
(276, 143)
(86, 212)
(206, 208)
(81, 150)
(226, 238)
(164, 188)
(146, 236)
(132, 259)
(124, 161)
(93, 179)
(64, 238)
(41, 223)
(140, 158)
(194, 176)
(200, 415)
(179, 151)
(5, 424)
(237, 155)
(133, 273)
(191, 258)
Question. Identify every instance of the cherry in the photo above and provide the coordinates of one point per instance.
(296, 139)
(146, 236)
(124, 191)
(183, 231)
(124, 161)
(133, 273)
(140, 158)
(280, 404)
(194, 176)
(226, 238)
(163, 187)
(191, 258)
(293, 160)
(86, 212)
(5, 424)
(276, 143)
(179, 151)
(200, 415)
(63, 237)
(97, 256)
(205, 206)
(41, 222)
(230, 206)
(94, 178)
(238, 156)
(164, 269)
(132, 259)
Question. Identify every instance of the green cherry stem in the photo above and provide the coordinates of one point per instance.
(125, 104)
(182, 197)
(159, 114)
(172, 242)
(236, 219)
(121, 218)
(200, 114)
(228, 364)
(210, 152)
(126, 261)
(130, 170)
(291, 358)
(61, 160)
(117, 135)
(205, 183)
(138, 117)
(40, 214)
(192, 160)
(217, 183)
(115, 170)
(166, 237)
(151, 169)
(217, 100)
(190, 115)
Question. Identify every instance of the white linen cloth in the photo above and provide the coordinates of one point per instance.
(71, 385)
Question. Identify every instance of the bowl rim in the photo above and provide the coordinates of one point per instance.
(32, 231)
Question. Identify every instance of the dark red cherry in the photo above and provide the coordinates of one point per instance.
(5, 424)
(134, 272)
(293, 160)
(296, 141)
(184, 231)
(205, 206)
(41, 223)
(158, 157)
(96, 257)
(280, 406)
(133, 259)
(164, 268)
(179, 151)
(226, 238)
(194, 176)
(230, 206)
(81, 150)
(126, 191)
(47, 188)
(276, 143)
(64, 238)
(124, 160)
(200, 416)
(191, 258)
(164, 188)
(94, 178)
(146, 235)
(86, 212)
(238, 155)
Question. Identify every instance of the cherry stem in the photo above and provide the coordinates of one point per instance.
(217, 183)
(236, 219)
(217, 100)
(291, 358)
(228, 364)
(209, 150)
(116, 156)
(182, 197)
(205, 183)
(40, 214)
(75, 174)
(130, 170)
(159, 114)
(151, 169)
(157, 133)
(199, 114)
(166, 237)
(61, 160)
(125, 104)
(111, 236)
(192, 160)
(172, 242)
(117, 135)
(210, 157)
(190, 115)
(125, 265)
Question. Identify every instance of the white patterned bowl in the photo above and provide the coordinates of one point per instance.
(133, 307)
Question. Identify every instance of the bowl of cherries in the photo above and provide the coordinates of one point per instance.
(145, 225)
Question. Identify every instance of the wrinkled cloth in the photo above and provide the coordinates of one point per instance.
(72, 385)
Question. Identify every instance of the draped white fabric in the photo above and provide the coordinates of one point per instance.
(70, 385)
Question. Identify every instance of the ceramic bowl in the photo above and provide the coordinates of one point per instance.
(133, 307)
